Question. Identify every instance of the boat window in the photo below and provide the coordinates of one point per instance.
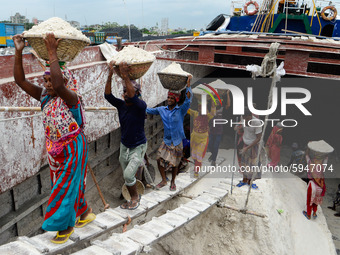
(327, 30)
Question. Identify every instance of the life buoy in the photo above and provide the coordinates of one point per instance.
(329, 17)
(251, 13)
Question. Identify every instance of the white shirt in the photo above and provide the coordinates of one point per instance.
(249, 135)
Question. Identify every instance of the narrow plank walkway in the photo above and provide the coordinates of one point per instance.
(142, 237)
(103, 224)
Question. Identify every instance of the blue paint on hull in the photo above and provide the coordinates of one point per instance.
(245, 24)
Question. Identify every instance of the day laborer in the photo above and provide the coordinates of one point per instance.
(63, 119)
(170, 151)
(252, 132)
(316, 188)
(274, 143)
(240, 143)
(199, 138)
(131, 112)
(216, 133)
(297, 156)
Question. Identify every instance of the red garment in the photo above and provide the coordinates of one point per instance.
(174, 95)
(310, 206)
(274, 145)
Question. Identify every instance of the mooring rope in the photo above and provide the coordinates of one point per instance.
(175, 51)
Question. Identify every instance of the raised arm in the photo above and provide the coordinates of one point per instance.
(186, 105)
(109, 79)
(19, 75)
(58, 83)
(124, 70)
(228, 100)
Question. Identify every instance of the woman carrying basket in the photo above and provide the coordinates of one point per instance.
(63, 119)
(317, 158)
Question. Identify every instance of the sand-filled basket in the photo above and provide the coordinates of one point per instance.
(72, 40)
(140, 190)
(136, 70)
(319, 149)
(67, 49)
(173, 81)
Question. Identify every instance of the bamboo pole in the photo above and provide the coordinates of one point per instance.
(244, 211)
(38, 109)
(106, 205)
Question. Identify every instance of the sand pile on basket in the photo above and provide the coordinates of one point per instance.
(173, 77)
(72, 43)
(319, 149)
(138, 59)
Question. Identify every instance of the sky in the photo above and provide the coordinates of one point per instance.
(189, 14)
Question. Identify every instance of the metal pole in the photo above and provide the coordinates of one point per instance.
(235, 148)
(128, 21)
(286, 7)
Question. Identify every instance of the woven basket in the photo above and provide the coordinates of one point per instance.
(317, 155)
(67, 49)
(173, 81)
(140, 190)
(136, 70)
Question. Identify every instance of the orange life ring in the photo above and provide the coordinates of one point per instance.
(329, 18)
(251, 13)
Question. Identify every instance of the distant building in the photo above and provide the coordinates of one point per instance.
(75, 24)
(17, 18)
(164, 26)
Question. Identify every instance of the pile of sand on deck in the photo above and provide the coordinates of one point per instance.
(223, 231)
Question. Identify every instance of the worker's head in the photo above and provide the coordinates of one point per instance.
(173, 98)
(137, 88)
(48, 84)
(69, 80)
(295, 146)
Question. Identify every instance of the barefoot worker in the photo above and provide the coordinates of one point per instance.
(171, 150)
(66, 144)
(131, 112)
(252, 132)
(199, 138)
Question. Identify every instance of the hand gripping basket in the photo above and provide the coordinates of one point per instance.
(173, 81)
(67, 49)
(137, 70)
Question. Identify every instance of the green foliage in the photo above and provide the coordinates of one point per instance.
(110, 25)
(28, 26)
(178, 33)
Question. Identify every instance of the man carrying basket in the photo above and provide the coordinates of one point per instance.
(171, 150)
(133, 144)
